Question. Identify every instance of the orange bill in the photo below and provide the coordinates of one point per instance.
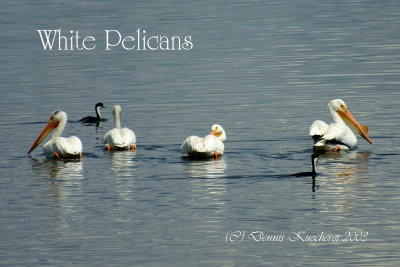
(51, 125)
(350, 120)
(215, 132)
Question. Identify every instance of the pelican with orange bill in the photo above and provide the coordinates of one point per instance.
(57, 146)
(337, 135)
(212, 145)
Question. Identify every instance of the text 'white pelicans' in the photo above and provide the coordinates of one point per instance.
(117, 138)
(210, 146)
(337, 135)
(59, 147)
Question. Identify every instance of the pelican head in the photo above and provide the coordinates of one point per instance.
(218, 131)
(117, 108)
(337, 106)
(57, 120)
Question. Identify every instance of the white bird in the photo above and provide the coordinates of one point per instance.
(59, 147)
(210, 146)
(117, 138)
(337, 135)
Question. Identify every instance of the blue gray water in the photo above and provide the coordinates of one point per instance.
(264, 70)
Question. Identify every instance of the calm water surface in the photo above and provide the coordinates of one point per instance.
(262, 69)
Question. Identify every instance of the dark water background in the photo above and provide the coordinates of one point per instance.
(262, 69)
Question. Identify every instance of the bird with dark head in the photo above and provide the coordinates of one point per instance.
(98, 118)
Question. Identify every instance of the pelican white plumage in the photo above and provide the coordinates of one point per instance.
(337, 135)
(59, 147)
(119, 138)
(210, 146)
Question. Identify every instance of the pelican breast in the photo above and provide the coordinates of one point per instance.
(65, 147)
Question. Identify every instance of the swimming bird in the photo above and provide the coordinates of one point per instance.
(210, 146)
(314, 160)
(117, 138)
(313, 173)
(59, 147)
(98, 118)
(337, 135)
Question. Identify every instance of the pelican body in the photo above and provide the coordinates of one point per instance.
(57, 146)
(98, 118)
(337, 135)
(119, 138)
(210, 146)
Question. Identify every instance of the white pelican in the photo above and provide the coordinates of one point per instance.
(98, 118)
(118, 138)
(337, 135)
(59, 147)
(210, 146)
